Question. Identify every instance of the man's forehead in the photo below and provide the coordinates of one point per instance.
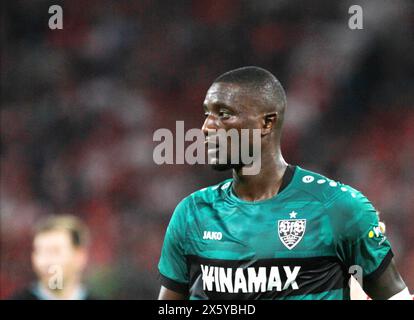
(61, 234)
(222, 92)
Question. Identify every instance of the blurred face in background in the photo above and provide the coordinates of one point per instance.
(54, 250)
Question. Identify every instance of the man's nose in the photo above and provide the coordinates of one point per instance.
(209, 124)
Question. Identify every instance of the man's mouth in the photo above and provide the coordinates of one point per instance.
(211, 144)
(212, 148)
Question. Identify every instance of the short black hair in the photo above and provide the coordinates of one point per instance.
(260, 81)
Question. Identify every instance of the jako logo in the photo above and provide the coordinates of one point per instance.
(211, 235)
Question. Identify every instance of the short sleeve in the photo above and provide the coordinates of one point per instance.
(360, 240)
(173, 263)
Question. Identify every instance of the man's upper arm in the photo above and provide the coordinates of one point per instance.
(172, 266)
(167, 294)
(362, 243)
(386, 285)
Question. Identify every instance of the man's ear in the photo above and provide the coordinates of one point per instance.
(269, 121)
(81, 258)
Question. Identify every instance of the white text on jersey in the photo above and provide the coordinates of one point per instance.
(221, 279)
(211, 235)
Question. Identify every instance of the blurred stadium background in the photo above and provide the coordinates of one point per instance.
(80, 105)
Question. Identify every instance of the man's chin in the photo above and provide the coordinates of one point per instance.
(220, 167)
(223, 166)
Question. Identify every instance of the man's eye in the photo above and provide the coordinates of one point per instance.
(224, 114)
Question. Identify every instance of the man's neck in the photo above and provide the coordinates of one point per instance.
(266, 183)
(72, 290)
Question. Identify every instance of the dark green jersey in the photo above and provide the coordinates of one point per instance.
(299, 244)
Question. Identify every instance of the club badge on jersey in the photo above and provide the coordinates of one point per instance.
(291, 231)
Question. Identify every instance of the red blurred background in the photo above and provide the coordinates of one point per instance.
(80, 105)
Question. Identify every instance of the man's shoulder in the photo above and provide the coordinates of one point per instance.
(23, 294)
(209, 194)
(202, 198)
(28, 293)
(325, 189)
(341, 201)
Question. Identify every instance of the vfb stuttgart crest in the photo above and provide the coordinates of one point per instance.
(291, 231)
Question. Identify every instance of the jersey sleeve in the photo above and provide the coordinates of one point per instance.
(172, 267)
(360, 240)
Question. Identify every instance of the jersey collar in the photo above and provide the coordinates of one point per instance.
(286, 180)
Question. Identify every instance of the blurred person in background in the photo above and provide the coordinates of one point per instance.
(59, 257)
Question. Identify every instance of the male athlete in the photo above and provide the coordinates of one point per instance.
(284, 233)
